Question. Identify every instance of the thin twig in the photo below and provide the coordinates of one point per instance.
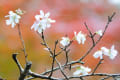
(91, 35)
(67, 58)
(35, 75)
(49, 49)
(57, 68)
(60, 67)
(22, 42)
(63, 49)
(44, 42)
(97, 65)
(53, 56)
(95, 74)
(109, 21)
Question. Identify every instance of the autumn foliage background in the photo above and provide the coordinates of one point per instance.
(70, 16)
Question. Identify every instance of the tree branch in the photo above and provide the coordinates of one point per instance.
(22, 42)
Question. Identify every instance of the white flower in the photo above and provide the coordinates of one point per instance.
(80, 37)
(101, 52)
(108, 52)
(42, 22)
(19, 11)
(98, 54)
(112, 53)
(104, 50)
(82, 70)
(13, 19)
(39, 26)
(65, 41)
(99, 32)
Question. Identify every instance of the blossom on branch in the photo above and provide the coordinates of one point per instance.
(111, 53)
(81, 71)
(99, 32)
(42, 22)
(80, 37)
(65, 41)
(13, 19)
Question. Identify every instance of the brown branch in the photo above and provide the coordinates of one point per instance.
(22, 42)
(23, 72)
(95, 74)
(61, 69)
(109, 21)
(67, 58)
(57, 68)
(91, 35)
(35, 75)
(63, 49)
(100, 62)
(53, 62)
(14, 56)
(51, 53)
(26, 71)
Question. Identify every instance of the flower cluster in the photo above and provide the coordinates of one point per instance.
(82, 70)
(80, 38)
(111, 53)
(14, 17)
(42, 22)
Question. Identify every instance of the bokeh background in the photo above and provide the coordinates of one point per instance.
(70, 16)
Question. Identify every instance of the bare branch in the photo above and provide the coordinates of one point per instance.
(26, 71)
(96, 74)
(63, 49)
(61, 69)
(91, 35)
(14, 56)
(109, 21)
(100, 62)
(22, 42)
(53, 56)
(35, 75)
